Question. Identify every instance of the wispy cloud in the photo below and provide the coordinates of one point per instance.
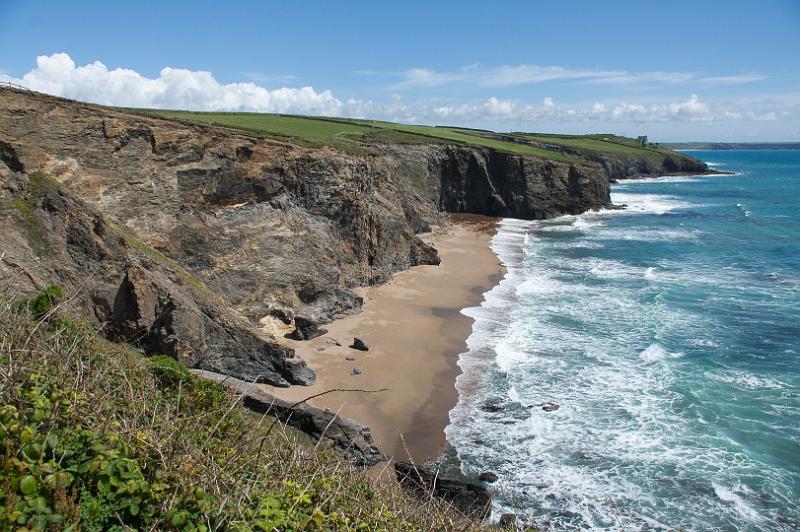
(731, 80)
(513, 75)
(269, 78)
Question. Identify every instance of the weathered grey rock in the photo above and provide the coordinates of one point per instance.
(470, 498)
(356, 371)
(488, 476)
(549, 407)
(349, 359)
(345, 435)
(305, 329)
(360, 344)
(140, 296)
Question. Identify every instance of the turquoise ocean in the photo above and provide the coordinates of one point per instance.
(669, 335)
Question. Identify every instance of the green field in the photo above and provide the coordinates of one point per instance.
(359, 136)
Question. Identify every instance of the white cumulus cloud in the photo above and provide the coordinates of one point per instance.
(174, 88)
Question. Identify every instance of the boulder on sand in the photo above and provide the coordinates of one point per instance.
(305, 329)
(360, 344)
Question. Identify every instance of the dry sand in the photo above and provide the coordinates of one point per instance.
(415, 331)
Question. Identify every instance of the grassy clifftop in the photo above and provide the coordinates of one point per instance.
(355, 136)
(94, 436)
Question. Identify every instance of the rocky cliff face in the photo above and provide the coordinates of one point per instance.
(196, 240)
(629, 168)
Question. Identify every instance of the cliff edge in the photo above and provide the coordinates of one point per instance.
(205, 242)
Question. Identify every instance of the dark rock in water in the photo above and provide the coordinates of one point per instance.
(488, 476)
(305, 329)
(549, 407)
(346, 436)
(356, 371)
(508, 521)
(360, 344)
(491, 407)
(470, 498)
(349, 359)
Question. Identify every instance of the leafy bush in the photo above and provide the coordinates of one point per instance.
(93, 436)
(43, 302)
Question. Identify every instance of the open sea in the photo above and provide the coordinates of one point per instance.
(668, 334)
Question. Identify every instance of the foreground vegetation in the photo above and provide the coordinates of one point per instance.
(355, 136)
(94, 436)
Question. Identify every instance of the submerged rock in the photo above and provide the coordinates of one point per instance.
(360, 344)
(470, 498)
(549, 407)
(491, 406)
(488, 476)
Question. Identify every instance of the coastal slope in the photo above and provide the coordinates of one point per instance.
(167, 228)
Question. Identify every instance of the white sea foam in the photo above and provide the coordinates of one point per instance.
(648, 203)
(590, 333)
(745, 380)
(655, 353)
(663, 179)
(730, 495)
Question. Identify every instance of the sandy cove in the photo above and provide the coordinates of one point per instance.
(415, 331)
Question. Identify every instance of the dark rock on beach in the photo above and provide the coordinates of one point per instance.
(470, 498)
(360, 344)
(305, 329)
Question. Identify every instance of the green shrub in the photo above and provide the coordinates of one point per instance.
(43, 302)
(95, 437)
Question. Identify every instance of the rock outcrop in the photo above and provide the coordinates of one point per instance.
(345, 435)
(470, 498)
(137, 294)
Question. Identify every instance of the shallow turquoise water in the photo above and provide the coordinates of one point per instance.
(669, 335)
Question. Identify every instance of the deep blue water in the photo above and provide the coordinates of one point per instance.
(669, 335)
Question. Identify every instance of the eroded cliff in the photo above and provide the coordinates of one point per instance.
(198, 241)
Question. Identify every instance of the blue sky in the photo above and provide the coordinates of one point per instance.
(674, 70)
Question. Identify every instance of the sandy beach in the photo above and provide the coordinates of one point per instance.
(415, 331)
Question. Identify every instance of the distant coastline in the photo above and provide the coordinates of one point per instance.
(718, 146)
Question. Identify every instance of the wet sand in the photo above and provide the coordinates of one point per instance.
(415, 331)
